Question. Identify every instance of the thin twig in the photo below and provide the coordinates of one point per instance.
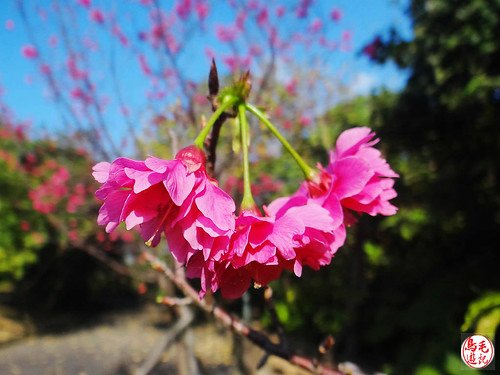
(186, 317)
(268, 297)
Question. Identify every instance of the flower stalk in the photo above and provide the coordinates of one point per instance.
(247, 201)
(227, 102)
(309, 173)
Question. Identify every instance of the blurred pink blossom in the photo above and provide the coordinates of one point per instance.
(144, 65)
(24, 225)
(53, 41)
(262, 17)
(225, 33)
(9, 25)
(183, 9)
(316, 25)
(85, 3)
(202, 10)
(303, 8)
(336, 14)
(29, 51)
(97, 16)
(305, 120)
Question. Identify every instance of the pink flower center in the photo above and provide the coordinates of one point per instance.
(320, 185)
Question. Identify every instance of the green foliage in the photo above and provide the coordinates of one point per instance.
(483, 315)
(441, 135)
(396, 295)
(48, 218)
(18, 248)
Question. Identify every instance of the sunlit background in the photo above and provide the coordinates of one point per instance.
(82, 81)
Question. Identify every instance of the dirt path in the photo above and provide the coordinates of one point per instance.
(110, 347)
(120, 343)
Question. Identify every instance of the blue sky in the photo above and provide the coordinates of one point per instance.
(364, 18)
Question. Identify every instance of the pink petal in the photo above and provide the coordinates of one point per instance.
(178, 246)
(143, 179)
(351, 176)
(284, 230)
(101, 171)
(278, 207)
(314, 216)
(350, 140)
(376, 161)
(240, 240)
(158, 165)
(111, 210)
(178, 183)
(215, 204)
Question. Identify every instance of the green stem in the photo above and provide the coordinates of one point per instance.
(309, 172)
(247, 201)
(228, 102)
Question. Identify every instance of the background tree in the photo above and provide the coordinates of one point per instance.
(442, 130)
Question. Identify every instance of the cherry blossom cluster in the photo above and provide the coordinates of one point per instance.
(230, 249)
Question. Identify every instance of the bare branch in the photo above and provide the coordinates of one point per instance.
(236, 324)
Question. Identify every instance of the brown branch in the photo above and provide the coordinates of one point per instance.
(236, 325)
(211, 144)
(213, 138)
(114, 265)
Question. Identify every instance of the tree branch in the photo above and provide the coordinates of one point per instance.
(236, 325)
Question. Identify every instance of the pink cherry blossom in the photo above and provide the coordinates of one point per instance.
(357, 178)
(316, 25)
(202, 10)
(295, 232)
(375, 195)
(183, 9)
(9, 25)
(144, 65)
(291, 87)
(73, 69)
(97, 16)
(263, 17)
(29, 51)
(45, 69)
(303, 8)
(76, 199)
(305, 121)
(117, 31)
(234, 62)
(336, 14)
(175, 197)
(225, 33)
(85, 3)
(46, 196)
(323, 232)
(53, 41)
